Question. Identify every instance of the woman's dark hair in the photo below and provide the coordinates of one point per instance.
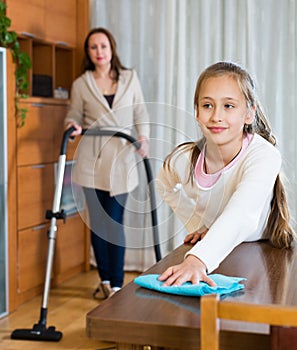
(116, 64)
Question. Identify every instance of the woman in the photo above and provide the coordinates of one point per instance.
(107, 95)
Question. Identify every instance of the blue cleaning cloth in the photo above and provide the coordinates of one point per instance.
(224, 285)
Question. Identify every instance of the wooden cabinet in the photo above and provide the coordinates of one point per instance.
(32, 254)
(60, 22)
(70, 239)
(27, 18)
(38, 145)
(38, 149)
(36, 184)
(52, 20)
(53, 66)
(40, 138)
(47, 31)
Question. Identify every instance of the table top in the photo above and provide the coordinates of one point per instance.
(136, 312)
(270, 272)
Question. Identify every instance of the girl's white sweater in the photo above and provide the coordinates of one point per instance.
(235, 209)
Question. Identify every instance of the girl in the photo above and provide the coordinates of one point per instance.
(226, 187)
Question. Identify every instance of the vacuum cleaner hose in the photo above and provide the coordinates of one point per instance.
(149, 174)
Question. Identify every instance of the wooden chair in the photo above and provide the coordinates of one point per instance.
(212, 310)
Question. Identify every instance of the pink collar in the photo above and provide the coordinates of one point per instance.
(208, 180)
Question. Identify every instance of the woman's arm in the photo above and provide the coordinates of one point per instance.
(144, 146)
(140, 116)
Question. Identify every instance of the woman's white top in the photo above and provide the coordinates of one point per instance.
(105, 162)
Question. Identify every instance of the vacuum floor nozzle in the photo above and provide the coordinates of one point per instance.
(38, 332)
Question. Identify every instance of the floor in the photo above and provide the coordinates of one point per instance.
(68, 306)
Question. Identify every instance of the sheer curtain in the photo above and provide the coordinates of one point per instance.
(169, 42)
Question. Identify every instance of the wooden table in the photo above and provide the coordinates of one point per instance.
(135, 317)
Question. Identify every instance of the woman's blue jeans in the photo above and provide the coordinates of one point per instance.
(106, 215)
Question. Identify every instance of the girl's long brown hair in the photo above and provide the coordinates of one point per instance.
(278, 228)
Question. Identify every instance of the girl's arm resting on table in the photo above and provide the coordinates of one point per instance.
(244, 216)
(191, 269)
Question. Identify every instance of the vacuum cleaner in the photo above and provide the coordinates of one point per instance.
(40, 331)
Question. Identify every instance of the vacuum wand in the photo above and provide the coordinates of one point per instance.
(39, 331)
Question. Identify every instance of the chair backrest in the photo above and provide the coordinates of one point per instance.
(212, 310)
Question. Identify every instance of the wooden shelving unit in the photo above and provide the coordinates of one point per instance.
(55, 61)
(51, 32)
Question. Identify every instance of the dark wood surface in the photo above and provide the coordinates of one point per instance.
(140, 316)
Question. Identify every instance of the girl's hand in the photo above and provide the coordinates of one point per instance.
(195, 237)
(191, 269)
(144, 147)
(77, 131)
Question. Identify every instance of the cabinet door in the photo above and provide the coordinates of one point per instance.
(60, 21)
(27, 17)
(32, 254)
(35, 194)
(70, 245)
(40, 138)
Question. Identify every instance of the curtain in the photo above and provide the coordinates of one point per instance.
(169, 43)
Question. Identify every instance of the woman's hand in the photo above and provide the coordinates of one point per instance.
(77, 131)
(194, 237)
(144, 147)
(191, 269)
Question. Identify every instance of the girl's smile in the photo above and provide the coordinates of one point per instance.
(216, 130)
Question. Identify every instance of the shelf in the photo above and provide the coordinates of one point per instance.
(53, 66)
(64, 67)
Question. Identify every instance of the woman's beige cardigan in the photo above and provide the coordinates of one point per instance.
(103, 162)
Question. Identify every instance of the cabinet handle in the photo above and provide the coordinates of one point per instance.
(39, 227)
(62, 43)
(38, 166)
(37, 104)
(29, 35)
